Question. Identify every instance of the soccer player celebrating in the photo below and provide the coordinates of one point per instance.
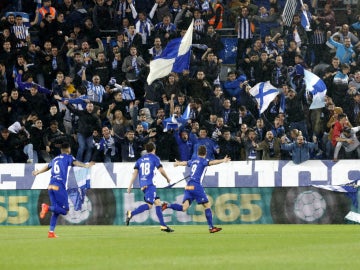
(144, 167)
(57, 188)
(194, 190)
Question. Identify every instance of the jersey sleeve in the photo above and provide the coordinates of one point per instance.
(206, 162)
(157, 162)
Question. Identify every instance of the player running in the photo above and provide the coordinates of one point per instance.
(57, 188)
(144, 167)
(194, 190)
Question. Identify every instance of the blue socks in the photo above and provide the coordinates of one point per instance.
(208, 215)
(53, 221)
(160, 215)
(140, 209)
(175, 206)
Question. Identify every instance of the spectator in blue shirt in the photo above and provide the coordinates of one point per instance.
(300, 149)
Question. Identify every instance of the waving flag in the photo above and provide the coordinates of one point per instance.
(77, 188)
(174, 58)
(317, 88)
(176, 122)
(264, 93)
(350, 189)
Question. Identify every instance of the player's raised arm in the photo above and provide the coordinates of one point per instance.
(218, 161)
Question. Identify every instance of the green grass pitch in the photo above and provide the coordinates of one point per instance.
(189, 247)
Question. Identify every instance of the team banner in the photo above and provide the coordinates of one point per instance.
(232, 174)
(253, 192)
(291, 205)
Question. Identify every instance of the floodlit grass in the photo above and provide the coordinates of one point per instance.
(189, 247)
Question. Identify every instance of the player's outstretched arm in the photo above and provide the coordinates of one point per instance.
(43, 169)
(179, 163)
(133, 177)
(84, 165)
(218, 161)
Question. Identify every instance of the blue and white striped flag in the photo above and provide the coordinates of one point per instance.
(317, 88)
(350, 189)
(264, 93)
(77, 189)
(176, 122)
(305, 20)
(174, 58)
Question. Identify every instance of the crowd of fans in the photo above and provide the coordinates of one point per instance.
(65, 81)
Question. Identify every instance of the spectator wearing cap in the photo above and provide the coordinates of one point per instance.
(349, 141)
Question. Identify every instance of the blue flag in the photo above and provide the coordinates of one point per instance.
(317, 88)
(174, 58)
(176, 122)
(77, 190)
(264, 93)
(350, 189)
